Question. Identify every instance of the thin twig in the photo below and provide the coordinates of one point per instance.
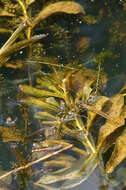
(51, 64)
(35, 162)
(101, 113)
(98, 77)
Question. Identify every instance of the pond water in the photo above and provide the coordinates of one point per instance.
(69, 39)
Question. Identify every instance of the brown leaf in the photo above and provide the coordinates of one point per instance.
(118, 154)
(110, 140)
(98, 106)
(10, 134)
(80, 78)
(68, 7)
(90, 19)
(83, 44)
(115, 112)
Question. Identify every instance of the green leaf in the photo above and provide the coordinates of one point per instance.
(38, 92)
(44, 116)
(30, 101)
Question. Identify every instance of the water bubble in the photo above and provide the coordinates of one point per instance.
(80, 22)
(21, 52)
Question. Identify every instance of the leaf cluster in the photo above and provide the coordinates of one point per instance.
(69, 103)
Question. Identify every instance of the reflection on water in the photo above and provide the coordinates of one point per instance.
(24, 137)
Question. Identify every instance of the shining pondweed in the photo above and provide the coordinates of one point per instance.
(78, 124)
(62, 103)
(75, 131)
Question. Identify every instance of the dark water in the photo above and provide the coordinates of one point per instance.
(99, 40)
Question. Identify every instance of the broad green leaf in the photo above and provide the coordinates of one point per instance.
(30, 101)
(38, 92)
(68, 7)
(52, 101)
(44, 116)
(48, 84)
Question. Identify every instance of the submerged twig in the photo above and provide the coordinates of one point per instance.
(99, 112)
(52, 64)
(98, 77)
(35, 162)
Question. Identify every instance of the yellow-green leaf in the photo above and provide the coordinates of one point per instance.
(30, 101)
(44, 116)
(38, 92)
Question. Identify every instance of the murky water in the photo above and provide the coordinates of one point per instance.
(86, 42)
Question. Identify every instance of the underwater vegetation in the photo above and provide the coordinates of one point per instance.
(69, 125)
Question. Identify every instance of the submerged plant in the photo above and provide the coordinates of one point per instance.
(76, 124)
(69, 103)
(29, 23)
(69, 111)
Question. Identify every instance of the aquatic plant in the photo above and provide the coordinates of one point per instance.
(30, 23)
(77, 124)
(68, 102)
